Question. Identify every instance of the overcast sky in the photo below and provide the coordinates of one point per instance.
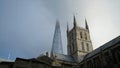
(27, 26)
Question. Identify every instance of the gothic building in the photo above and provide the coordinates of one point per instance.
(79, 42)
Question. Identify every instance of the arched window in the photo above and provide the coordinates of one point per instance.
(87, 45)
(73, 46)
(81, 35)
(82, 46)
(71, 49)
(85, 36)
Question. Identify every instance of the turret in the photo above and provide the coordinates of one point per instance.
(67, 28)
(86, 25)
(74, 22)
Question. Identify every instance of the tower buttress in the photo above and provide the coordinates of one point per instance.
(86, 25)
(74, 21)
(67, 28)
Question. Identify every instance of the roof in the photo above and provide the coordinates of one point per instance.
(34, 60)
(64, 57)
(7, 63)
(44, 57)
(105, 46)
(5, 60)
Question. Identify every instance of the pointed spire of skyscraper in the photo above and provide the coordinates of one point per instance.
(75, 23)
(86, 25)
(57, 42)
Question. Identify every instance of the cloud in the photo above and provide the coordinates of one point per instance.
(27, 26)
(28, 32)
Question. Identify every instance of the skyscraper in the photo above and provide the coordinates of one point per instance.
(57, 42)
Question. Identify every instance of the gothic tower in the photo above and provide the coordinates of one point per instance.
(78, 41)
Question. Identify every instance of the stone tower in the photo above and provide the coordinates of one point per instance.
(78, 41)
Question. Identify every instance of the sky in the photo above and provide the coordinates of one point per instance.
(27, 26)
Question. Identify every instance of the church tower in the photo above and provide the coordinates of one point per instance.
(78, 41)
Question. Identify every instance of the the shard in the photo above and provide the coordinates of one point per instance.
(57, 42)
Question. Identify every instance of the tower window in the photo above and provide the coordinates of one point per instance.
(85, 36)
(82, 46)
(73, 47)
(81, 35)
(72, 35)
(70, 50)
(87, 46)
